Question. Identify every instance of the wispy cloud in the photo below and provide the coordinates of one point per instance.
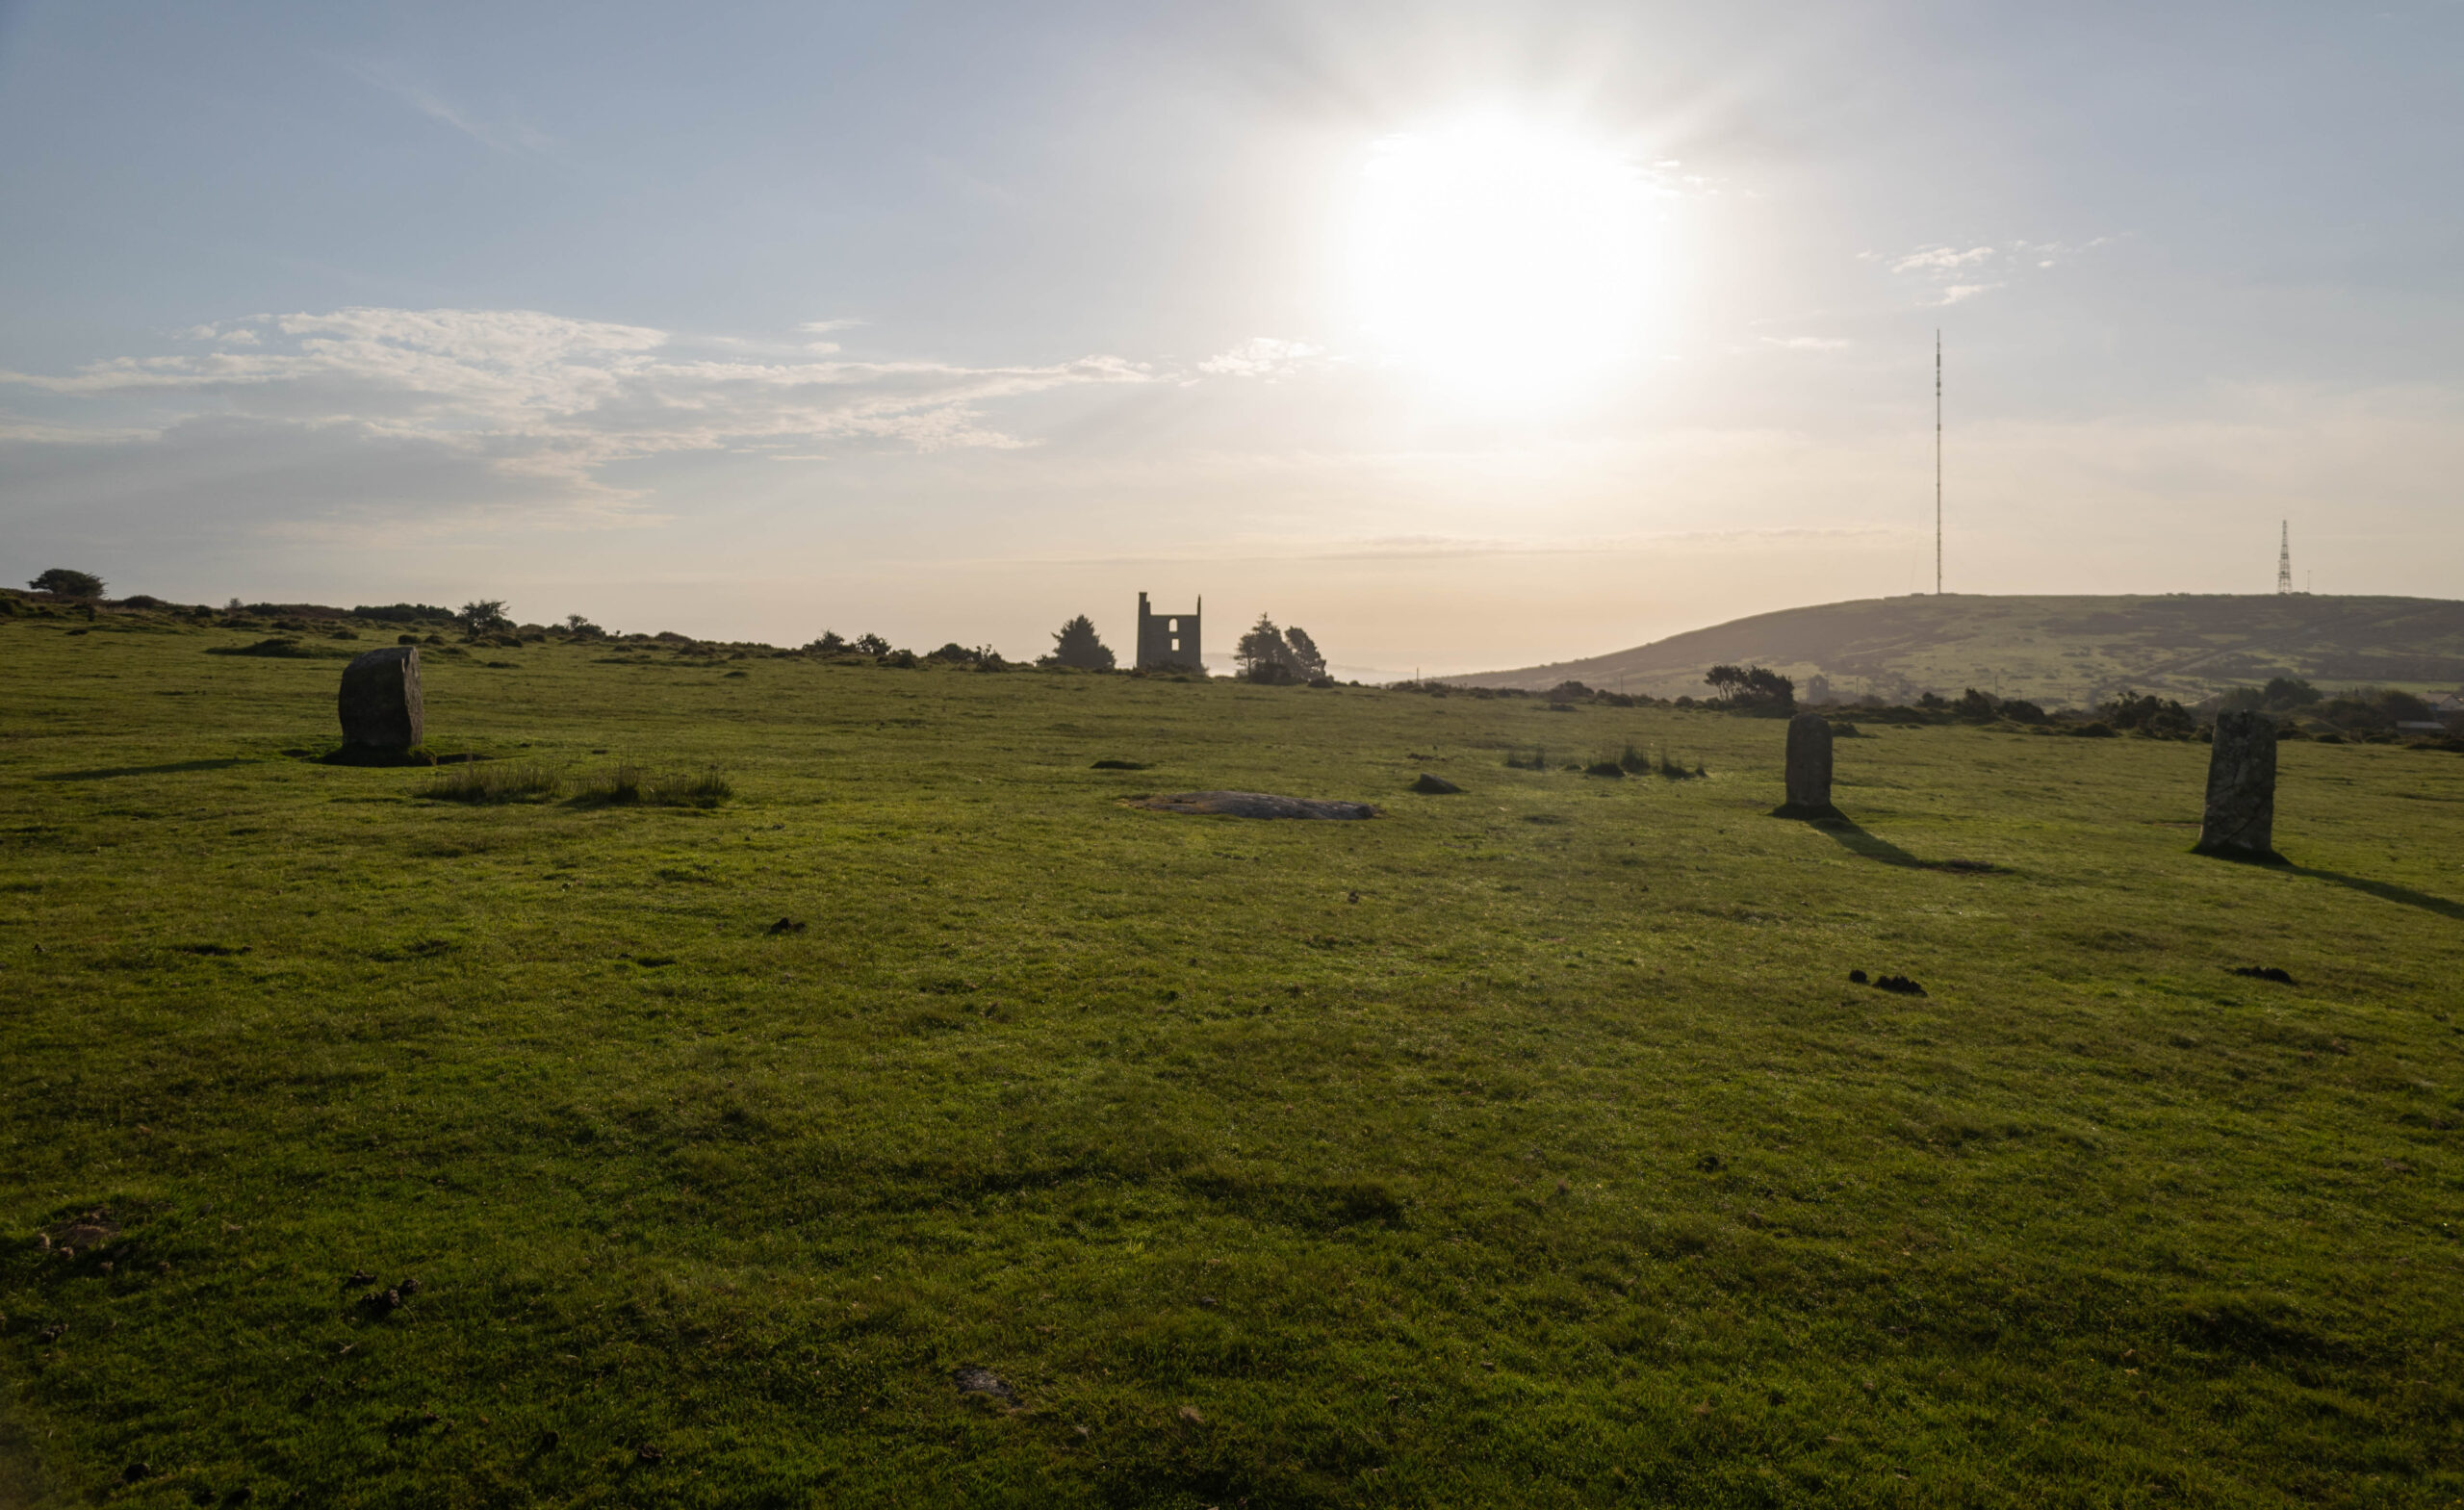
(1261, 356)
(1954, 275)
(542, 396)
(506, 133)
(1943, 259)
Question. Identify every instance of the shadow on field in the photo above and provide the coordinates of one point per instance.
(1876, 848)
(1857, 841)
(2387, 891)
(139, 770)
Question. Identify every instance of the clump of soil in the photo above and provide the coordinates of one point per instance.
(2264, 972)
(1254, 805)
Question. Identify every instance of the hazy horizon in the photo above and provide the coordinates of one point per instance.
(1468, 336)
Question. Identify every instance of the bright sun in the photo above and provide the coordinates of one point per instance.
(1509, 263)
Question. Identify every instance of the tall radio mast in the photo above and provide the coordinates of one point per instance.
(1937, 462)
(2284, 559)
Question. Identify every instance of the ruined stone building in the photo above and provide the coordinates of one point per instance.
(1167, 642)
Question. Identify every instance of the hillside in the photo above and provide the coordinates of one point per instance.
(2063, 652)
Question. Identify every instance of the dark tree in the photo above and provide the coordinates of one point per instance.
(1752, 687)
(831, 643)
(1306, 661)
(872, 645)
(68, 583)
(1076, 645)
(2282, 693)
(484, 615)
(577, 624)
(1264, 654)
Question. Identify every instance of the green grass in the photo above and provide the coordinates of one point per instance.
(1524, 1146)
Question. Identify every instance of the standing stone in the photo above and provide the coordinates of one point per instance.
(380, 700)
(2241, 789)
(1808, 769)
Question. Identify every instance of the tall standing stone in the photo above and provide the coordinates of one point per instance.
(2241, 789)
(380, 700)
(1809, 776)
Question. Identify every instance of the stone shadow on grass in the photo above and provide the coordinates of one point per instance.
(2385, 891)
(1873, 847)
(108, 773)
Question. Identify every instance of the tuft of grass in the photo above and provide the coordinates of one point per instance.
(475, 781)
(627, 784)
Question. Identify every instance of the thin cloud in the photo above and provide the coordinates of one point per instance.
(1261, 356)
(1943, 259)
(510, 134)
(547, 398)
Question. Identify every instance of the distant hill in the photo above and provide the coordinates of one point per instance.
(2058, 651)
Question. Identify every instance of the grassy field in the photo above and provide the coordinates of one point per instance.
(2070, 651)
(1526, 1146)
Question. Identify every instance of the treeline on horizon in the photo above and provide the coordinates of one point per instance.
(2365, 714)
(1271, 655)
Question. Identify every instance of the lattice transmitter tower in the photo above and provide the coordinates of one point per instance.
(2284, 558)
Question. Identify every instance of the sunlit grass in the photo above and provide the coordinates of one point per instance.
(1528, 1145)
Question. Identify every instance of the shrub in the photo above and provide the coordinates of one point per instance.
(2282, 694)
(903, 661)
(581, 627)
(68, 584)
(829, 644)
(479, 783)
(2147, 713)
(871, 645)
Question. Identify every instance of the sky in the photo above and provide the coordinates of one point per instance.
(1464, 335)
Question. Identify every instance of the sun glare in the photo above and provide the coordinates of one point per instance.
(1509, 263)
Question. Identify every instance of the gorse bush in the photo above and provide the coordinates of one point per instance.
(479, 781)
